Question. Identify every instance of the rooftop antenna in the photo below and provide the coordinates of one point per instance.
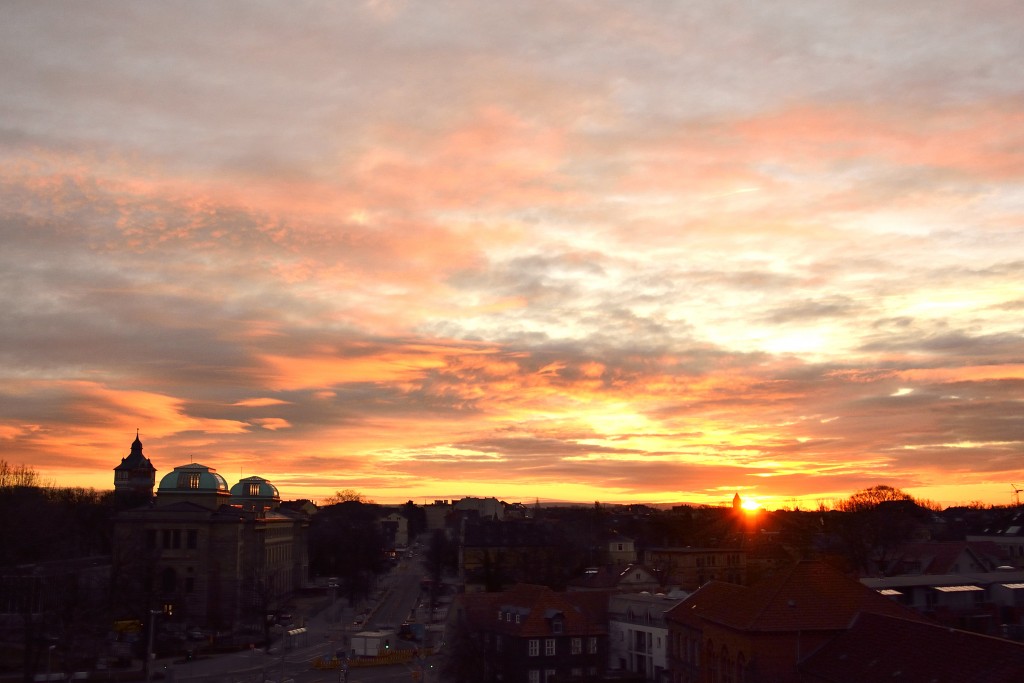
(1016, 494)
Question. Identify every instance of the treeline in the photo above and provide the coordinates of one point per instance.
(43, 522)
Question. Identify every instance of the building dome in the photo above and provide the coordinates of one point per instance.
(192, 478)
(253, 489)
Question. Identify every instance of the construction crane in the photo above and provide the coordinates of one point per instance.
(1016, 494)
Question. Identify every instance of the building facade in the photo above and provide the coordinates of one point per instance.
(530, 634)
(638, 635)
(690, 568)
(206, 555)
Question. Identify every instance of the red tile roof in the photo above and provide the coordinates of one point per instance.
(809, 595)
(884, 648)
(536, 606)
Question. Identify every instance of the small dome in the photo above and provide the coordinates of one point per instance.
(193, 477)
(255, 488)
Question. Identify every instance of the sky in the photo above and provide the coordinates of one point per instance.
(538, 250)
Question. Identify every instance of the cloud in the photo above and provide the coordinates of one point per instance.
(595, 251)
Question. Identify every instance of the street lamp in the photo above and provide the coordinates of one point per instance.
(149, 646)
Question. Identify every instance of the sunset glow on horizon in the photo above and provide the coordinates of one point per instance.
(620, 252)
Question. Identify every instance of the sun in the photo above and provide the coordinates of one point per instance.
(750, 505)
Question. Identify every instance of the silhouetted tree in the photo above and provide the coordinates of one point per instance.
(345, 540)
(873, 523)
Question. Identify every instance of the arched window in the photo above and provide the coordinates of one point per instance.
(725, 665)
(711, 661)
(741, 668)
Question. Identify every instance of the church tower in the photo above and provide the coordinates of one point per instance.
(135, 477)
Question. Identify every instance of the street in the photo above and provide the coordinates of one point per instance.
(327, 632)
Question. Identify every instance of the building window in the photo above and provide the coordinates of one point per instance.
(188, 480)
(549, 674)
(592, 645)
(577, 646)
(254, 490)
(549, 647)
(534, 675)
(168, 580)
(557, 626)
(517, 618)
(191, 537)
(534, 646)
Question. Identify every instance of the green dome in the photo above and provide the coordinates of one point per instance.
(192, 477)
(254, 488)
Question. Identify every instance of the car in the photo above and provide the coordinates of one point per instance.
(333, 582)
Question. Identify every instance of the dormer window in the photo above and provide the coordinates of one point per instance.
(517, 618)
(557, 625)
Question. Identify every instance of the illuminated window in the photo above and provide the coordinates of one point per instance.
(254, 490)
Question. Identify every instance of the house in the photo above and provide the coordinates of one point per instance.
(633, 578)
(949, 557)
(762, 632)
(485, 508)
(621, 550)
(528, 634)
(495, 554)
(638, 634)
(982, 602)
(395, 528)
(1008, 534)
(690, 568)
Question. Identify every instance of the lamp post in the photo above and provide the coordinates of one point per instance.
(49, 652)
(149, 646)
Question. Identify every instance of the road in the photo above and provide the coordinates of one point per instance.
(328, 632)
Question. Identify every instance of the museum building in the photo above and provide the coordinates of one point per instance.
(203, 554)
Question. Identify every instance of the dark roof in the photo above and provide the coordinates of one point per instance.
(809, 595)
(935, 557)
(536, 606)
(135, 460)
(885, 648)
(610, 577)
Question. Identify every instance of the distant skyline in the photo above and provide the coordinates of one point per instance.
(581, 251)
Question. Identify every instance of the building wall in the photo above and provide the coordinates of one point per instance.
(690, 568)
(206, 568)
